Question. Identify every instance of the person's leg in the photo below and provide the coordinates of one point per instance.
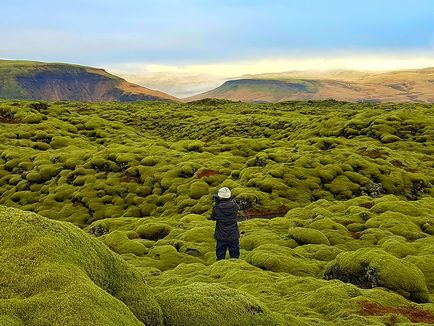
(220, 249)
(234, 248)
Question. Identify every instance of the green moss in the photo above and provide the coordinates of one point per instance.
(41, 146)
(133, 211)
(199, 234)
(24, 197)
(47, 172)
(258, 236)
(342, 186)
(270, 184)
(400, 206)
(60, 142)
(192, 218)
(318, 252)
(119, 242)
(327, 173)
(306, 236)
(147, 209)
(198, 189)
(396, 223)
(34, 177)
(398, 247)
(12, 180)
(10, 321)
(356, 227)
(52, 262)
(165, 257)
(213, 304)
(108, 163)
(388, 138)
(279, 259)
(374, 267)
(153, 231)
(150, 161)
(426, 264)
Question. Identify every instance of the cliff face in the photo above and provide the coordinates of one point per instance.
(45, 81)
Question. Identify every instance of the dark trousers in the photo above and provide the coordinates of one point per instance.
(223, 245)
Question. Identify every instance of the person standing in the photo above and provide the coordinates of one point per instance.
(226, 232)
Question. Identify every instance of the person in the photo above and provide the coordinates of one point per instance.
(226, 233)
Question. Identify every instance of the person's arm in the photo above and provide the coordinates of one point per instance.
(238, 209)
(214, 214)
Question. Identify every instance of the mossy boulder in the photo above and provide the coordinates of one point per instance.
(34, 177)
(119, 242)
(318, 252)
(396, 223)
(55, 274)
(426, 264)
(198, 234)
(276, 258)
(198, 189)
(255, 234)
(147, 209)
(201, 304)
(389, 138)
(165, 257)
(369, 268)
(307, 236)
(192, 218)
(153, 230)
(342, 187)
(398, 246)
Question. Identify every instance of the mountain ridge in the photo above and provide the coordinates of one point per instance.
(410, 85)
(20, 79)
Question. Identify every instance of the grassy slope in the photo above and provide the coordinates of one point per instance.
(263, 90)
(9, 87)
(349, 187)
(12, 87)
(395, 86)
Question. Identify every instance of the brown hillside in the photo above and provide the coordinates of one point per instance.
(57, 81)
(353, 86)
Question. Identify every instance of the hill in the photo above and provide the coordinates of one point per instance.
(341, 85)
(335, 218)
(59, 81)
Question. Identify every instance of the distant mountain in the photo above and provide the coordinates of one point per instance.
(344, 85)
(180, 84)
(59, 81)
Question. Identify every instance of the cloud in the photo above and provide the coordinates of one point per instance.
(187, 80)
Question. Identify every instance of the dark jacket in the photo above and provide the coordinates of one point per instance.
(225, 214)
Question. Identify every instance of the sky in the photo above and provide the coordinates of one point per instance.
(214, 40)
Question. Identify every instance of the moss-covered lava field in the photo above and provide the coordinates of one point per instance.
(336, 220)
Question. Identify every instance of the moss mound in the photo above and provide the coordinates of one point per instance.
(153, 231)
(307, 236)
(369, 268)
(280, 259)
(213, 305)
(55, 274)
(119, 242)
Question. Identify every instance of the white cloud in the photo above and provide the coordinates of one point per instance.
(187, 80)
(378, 62)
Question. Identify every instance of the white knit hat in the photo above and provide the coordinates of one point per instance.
(224, 192)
